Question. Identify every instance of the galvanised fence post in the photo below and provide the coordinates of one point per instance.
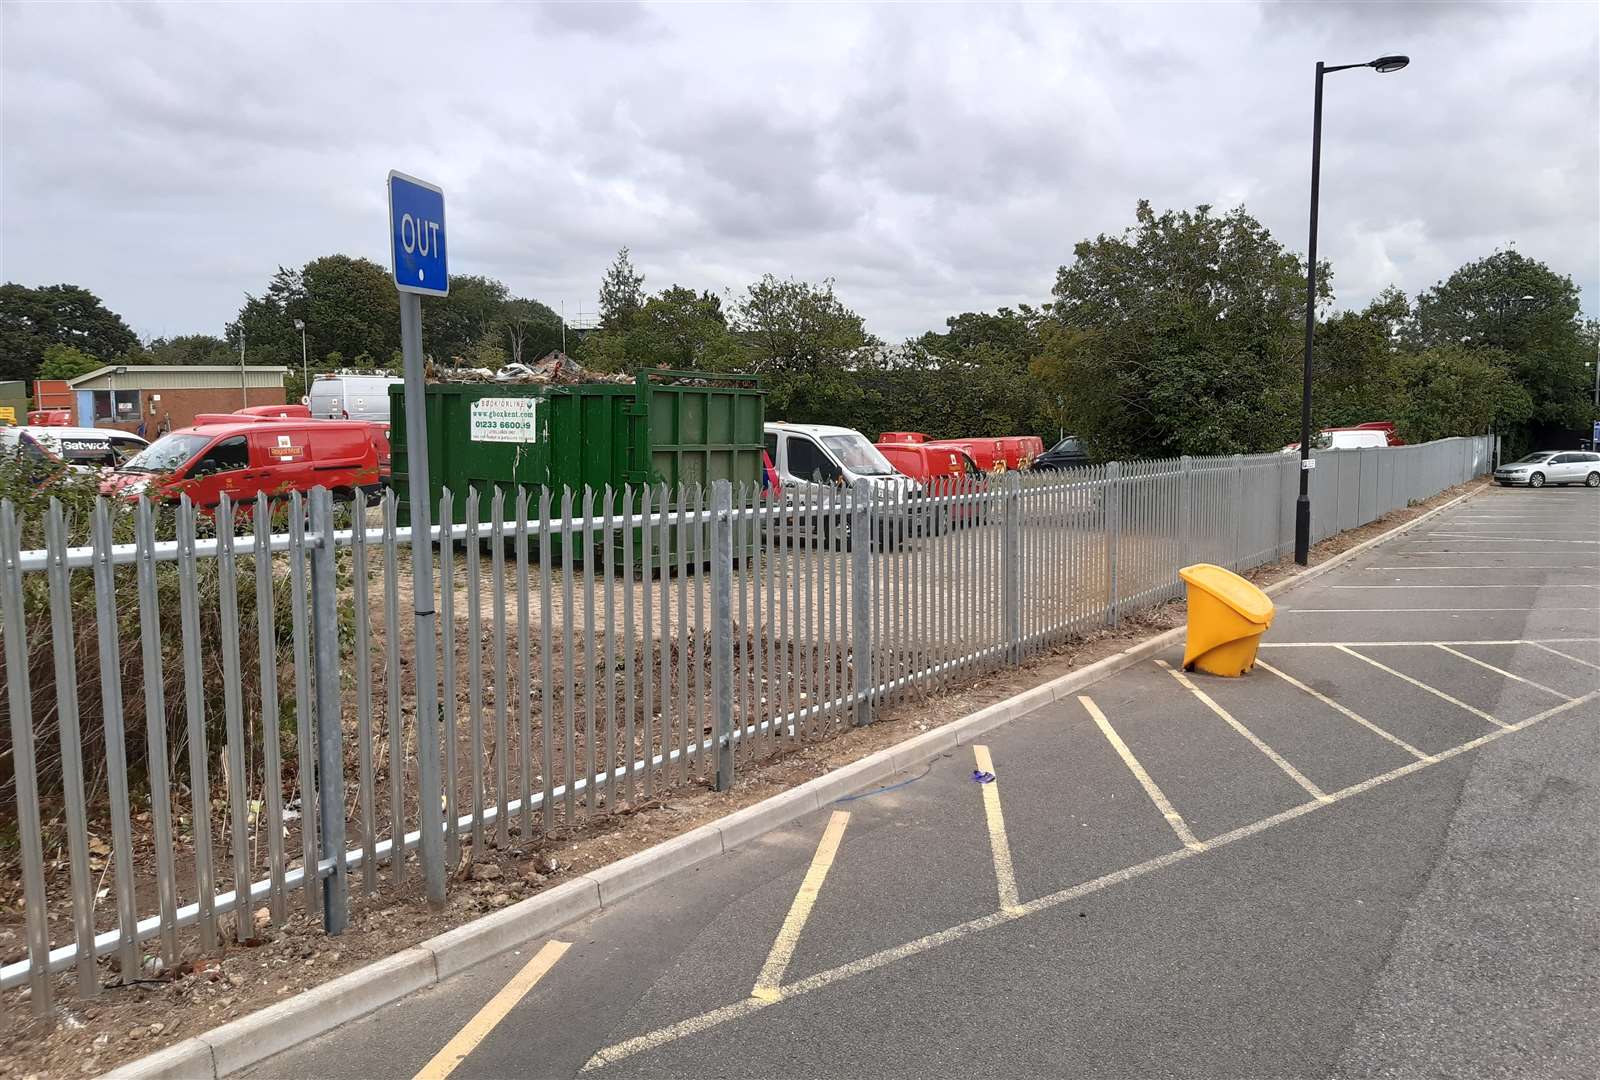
(861, 598)
(330, 733)
(1185, 502)
(1011, 566)
(1238, 515)
(722, 628)
(1113, 531)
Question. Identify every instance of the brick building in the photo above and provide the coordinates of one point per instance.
(167, 398)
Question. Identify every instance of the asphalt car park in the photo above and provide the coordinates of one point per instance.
(1371, 856)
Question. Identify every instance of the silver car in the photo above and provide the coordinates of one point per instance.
(1552, 467)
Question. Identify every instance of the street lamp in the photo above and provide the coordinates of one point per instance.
(1302, 507)
(244, 385)
(305, 367)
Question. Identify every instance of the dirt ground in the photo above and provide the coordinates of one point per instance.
(209, 988)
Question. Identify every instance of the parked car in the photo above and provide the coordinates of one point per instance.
(53, 447)
(351, 397)
(1066, 454)
(242, 458)
(1552, 467)
(50, 417)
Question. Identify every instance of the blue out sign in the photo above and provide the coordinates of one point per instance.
(416, 236)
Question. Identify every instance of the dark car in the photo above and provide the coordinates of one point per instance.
(1066, 454)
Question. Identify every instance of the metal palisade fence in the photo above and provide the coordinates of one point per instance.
(211, 713)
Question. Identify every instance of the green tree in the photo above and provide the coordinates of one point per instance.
(186, 350)
(808, 345)
(348, 304)
(31, 320)
(1355, 365)
(621, 293)
(972, 379)
(527, 330)
(1450, 391)
(66, 362)
(1520, 307)
(1181, 335)
(452, 324)
(677, 328)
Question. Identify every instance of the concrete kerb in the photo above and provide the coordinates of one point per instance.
(479, 940)
(186, 1060)
(260, 1035)
(627, 876)
(755, 821)
(236, 1046)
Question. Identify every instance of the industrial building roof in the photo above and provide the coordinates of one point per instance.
(181, 377)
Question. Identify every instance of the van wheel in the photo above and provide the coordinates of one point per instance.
(1536, 480)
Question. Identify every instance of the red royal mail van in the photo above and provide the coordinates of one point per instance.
(244, 457)
(939, 469)
(995, 455)
(927, 463)
(279, 412)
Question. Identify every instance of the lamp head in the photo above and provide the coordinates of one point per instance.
(1385, 64)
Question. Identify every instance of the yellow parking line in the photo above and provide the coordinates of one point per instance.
(1502, 672)
(1336, 707)
(1272, 755)
(1568, 656)
(1005, 874)
(771, 977)
(706, 1021)
(467, 1039)
(1440, 694)
(1157, 796)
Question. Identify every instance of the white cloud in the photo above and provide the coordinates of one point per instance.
(932, 159)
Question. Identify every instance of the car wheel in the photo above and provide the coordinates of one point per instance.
(1593, 480)
(1536, 480)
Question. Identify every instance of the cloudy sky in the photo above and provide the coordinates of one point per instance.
(931, 159)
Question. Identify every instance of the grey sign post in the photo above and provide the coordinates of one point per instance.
(418, 256)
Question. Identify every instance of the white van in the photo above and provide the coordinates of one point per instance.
(802, 453)
(80, 449)
(1343, 439)
(351, 397)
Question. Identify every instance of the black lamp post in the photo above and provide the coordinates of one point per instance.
(1302, 506)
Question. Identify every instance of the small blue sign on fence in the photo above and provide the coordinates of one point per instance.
(416, 236)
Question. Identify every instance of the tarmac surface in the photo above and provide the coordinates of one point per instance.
(1376, 855)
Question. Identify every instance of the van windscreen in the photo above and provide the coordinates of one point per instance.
(166, 453)
(858, 455)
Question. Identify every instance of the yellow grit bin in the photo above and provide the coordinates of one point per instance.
(1227, 616)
